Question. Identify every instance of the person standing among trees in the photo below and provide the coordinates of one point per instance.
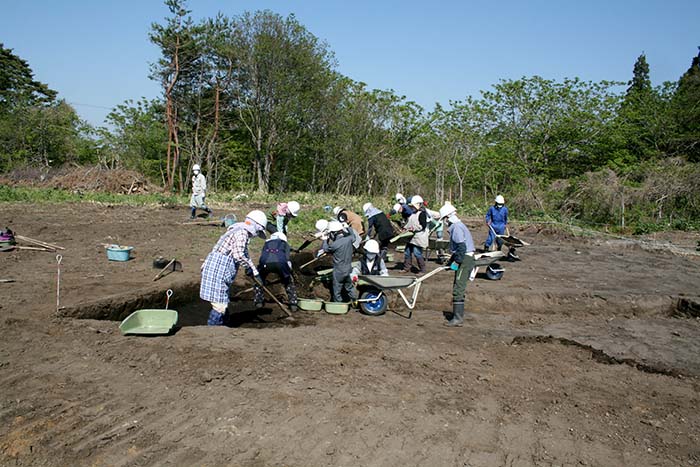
(199, 192)
(497, 220)
(461, 262)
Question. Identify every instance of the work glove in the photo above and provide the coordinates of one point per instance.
(320, 253)
(454, 266)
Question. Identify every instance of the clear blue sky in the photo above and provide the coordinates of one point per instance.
(96, 53)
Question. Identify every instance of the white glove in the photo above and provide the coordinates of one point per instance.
(320, 253)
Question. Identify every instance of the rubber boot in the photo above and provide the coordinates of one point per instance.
(194, 212)
(457, 315)
(215, 318)
(421, 265)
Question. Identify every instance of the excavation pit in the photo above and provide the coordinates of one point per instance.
(192, 311)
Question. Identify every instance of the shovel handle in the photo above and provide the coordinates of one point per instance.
(312, 261)
(267, 291)
(160, 273)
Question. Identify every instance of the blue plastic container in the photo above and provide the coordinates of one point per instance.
(117, 253)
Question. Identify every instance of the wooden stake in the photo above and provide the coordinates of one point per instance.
(39, 242)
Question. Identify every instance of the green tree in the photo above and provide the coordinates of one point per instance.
(686, 109)
(17, 84)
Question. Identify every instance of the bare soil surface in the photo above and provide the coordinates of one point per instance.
(587, 352)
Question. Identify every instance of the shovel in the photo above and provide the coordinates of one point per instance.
(272, 296)
(305, 244)
(173, 265)
(312, 261)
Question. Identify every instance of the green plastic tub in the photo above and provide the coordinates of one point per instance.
(149, 322)
(309, 304)
(336, 308)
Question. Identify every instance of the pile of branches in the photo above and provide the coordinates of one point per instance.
(81, 179)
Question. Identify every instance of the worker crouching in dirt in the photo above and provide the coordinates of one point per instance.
(221, 266)
(275, 259)
(199, 192)
(461, 261)
(339, 244)
(418, 224)
(371, 264)
(282, 215)
(378, 222)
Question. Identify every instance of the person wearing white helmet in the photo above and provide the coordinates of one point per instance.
(222, 264)
(339, 244)
(275, 259)
(461, 261)
(497, 220)
(350, 218)
(282, 215)
(403, 207)
(418, 224)
(199, 192)
(371, 264)
(379, 224)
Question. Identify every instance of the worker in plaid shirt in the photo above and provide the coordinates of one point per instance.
(221, 266)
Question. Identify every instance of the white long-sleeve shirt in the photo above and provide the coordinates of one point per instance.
(199, 184)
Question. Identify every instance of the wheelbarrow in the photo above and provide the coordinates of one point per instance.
(374, 301)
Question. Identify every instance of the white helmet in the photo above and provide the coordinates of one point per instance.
(321, 225)
(336, 210)
(278, 235)
(195, 168)
(372, 246)
(499, 200)
(396, 207)
(335, 226)
(417, 201)
(366, 207)
(258, 217)
(293, 207)
(400, 198)
(447, 210)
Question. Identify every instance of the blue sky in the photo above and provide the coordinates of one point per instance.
(96, 53)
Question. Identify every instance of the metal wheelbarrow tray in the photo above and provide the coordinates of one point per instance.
(373, 301)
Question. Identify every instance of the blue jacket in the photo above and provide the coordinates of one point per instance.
(497, 216)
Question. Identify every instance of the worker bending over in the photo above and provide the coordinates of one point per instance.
(275, 259)
(281, 216)
(378, 223)
(222, 264)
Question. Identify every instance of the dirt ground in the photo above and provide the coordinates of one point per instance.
(587, 352)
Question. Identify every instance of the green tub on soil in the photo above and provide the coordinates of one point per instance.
(149, 322)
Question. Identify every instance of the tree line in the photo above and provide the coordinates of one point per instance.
(257, 101)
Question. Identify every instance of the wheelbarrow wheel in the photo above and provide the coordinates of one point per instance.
(376, 305)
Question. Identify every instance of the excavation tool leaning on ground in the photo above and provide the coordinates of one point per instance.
(222, 264)
(461, 261)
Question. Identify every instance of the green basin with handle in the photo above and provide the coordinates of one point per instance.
(149, 322)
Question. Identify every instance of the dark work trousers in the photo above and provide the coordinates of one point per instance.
(282, 270)
(459, 287)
